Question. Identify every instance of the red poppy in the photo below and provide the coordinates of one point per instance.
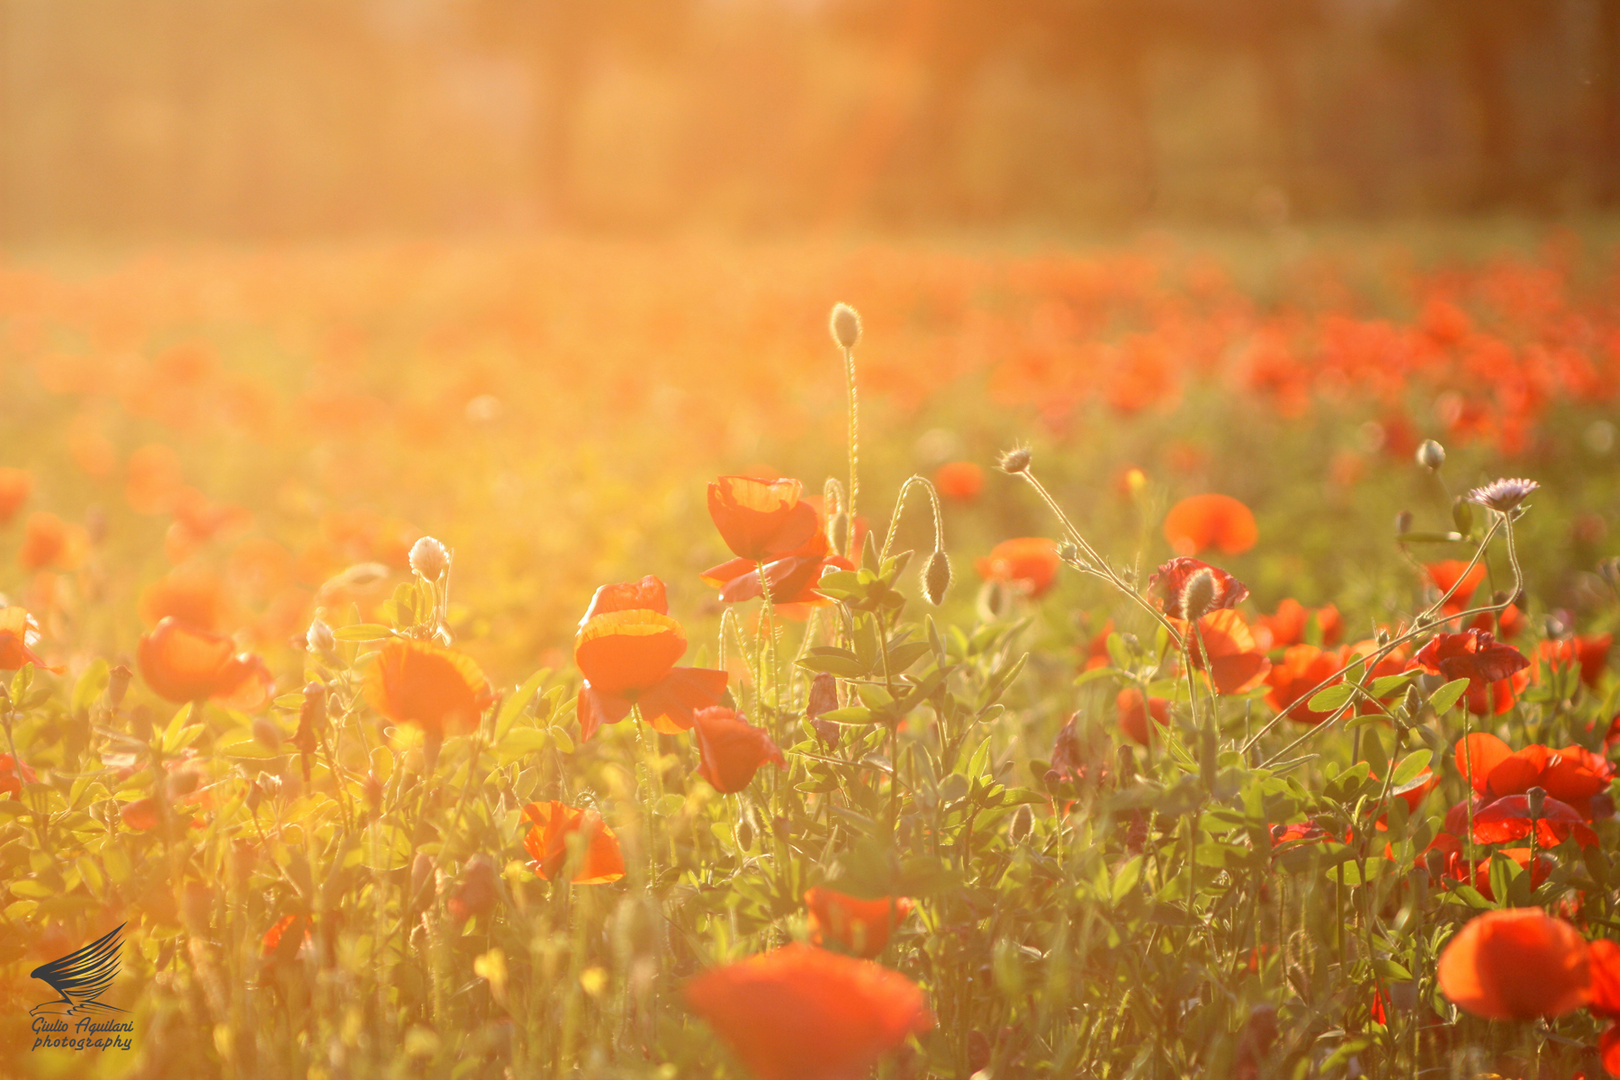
(285, 937)
(1235, 663)
(12, 777)
(438, 689)
(792, 578)
(1473, 655)
(1096, 650)
(1498, 697)
(959, 480)
(1029, 564)
(142, 815)
(732, 750)
(18, 635)
(1287, 625)
(1134, 713)
(860, 926)
(1169, 583)
(1478, 874)
(761, 520)
(1303, 667)
(552, 823)
(1605, 960)
(183, 664)
(1589, 652)
(1508, 819)
(1516, 964)
(45, 541)
(803, 1013)
(1507, 623)
(1494, 769)
(1449, 572)
(15, 487)
(1201, 522)
(195, 599)
(628, 655)
(648, 594)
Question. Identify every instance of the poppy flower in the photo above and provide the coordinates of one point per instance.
(1029, 564)
(1590, 653)
(15, 487)
(18, 635)
(285, 937)
(45, 541)
(1071, 762)
(1604, 957)
(195, 599)
(1235, 663)
(860, 926)
(1508, 623)
(1494, 769)
(732, 750)
(1478, 874)
(438, 689)
(1473, 655)
(1286, 626)
(628, 654)
(1516, 964)
(1096, 650)
(1303, 667)
(803, 1013)
(1498, 697)
(183, 664)
(154, 478)
(792, 578)
(761, 520)
(552, 823)
(1169, 584)
(1201, 522)
(1134, 713)
(1449, 572)
(12, 777)
(1508, 819)
(959, 480)
(142, 815)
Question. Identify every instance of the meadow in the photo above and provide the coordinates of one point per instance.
(583, 658)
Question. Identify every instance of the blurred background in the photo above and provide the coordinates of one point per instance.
(149, 119)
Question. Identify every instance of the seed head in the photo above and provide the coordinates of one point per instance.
(936, 578)
(1430, 454)
(1015, 461)
(1198, 596)
(429, 558)
(1503, 495)
(845, 325)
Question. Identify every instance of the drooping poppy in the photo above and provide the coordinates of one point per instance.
(1508, 819)
(961, 481)
(18, 636)
(761, 520)
(1516, 964)
(1303, 667)
(417, 682)
(1235, 663)
(1473, 655)
(803, 1013)
(628, 654)
(182, 664)
(13, 776)
(15, 487)
(1028, 563)
(1449, 572)
(1200, 522)
(1168, 586)
(731, 750)
(1494, 769)
(861, 927)
(552, 823)
(1134, 713)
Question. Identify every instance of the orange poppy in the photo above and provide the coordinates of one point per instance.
(18, 635)
(732, 750)
(195, 599)
(285, 937)
(1286, 626)
(959, 480)
(1589, 653)
(417, 682)
(628, 654)
(1028, 563)
(1169, 582)
(12, 777)
(142, 815)
(1498, 697)
(1235, 663)
(15, 487)
(1449, 572)
(1473, 655)
(761, 520)
(1201, 522)
(1302, 668)
(45, 541)
(792, 578)
(1509, 819)
(1493, 769)
(154, 479)
(1516, 964)
(860, 926)
(803, 1013)
(184, 664)
(552, 823)
(1134, 713)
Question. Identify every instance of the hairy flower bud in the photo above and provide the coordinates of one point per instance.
(1015, 460)
(936, 578)
(429, 558)
(1430, 454)
(1199, 594)
(118, 685)
(845, 325)
(319, 638)
(1023, 822)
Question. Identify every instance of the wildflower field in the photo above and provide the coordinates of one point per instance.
(596, 659)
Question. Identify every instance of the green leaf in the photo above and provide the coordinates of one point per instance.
(1442, 700)
(514, 705)
(835, 661)
(1410, 768)
(1385, 685)
(90, 686)
(1332, 699)
(1126, 880)
(852, 715)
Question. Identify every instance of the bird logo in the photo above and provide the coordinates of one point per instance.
(81, 977)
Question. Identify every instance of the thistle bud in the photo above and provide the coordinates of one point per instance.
(319, 638)
(1198, 595)
(1015, 461)
(1430, 454)
(429, 558)
(1022, 824)
(845, 325)
(118, 685)
(1403, 523)
(936, 578)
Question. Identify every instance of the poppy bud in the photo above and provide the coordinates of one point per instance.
(1430, 454)
(745, 832)
(1381, 636)
(1015, 461)
(1023, 822)
(118, 685)
(1403, 523)
(1414, 701)
(1199, 594)
(936, 578)
(1462, 515)
(319, 638)
(845, 325)
(429, 558)
(1068, 552)
(267, 733)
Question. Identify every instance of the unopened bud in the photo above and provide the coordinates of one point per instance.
(745, 832)
(936, 578)
(1403, 523)
(1022, 824)
(1198, 594)
(1015, 460)
(1462, 515)
(1381, 635)
(1430, 454)
(845, 325)
(429, 558)
(319, 638)
(118, 685)
(1069, 551)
